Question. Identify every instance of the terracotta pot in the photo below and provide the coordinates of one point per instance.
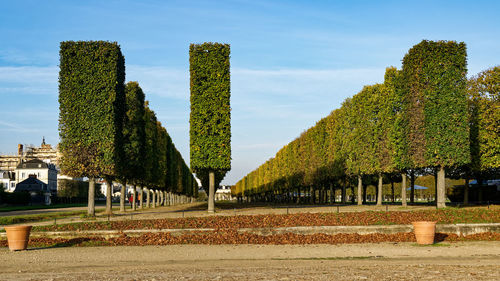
(424, 231)
(18, 237)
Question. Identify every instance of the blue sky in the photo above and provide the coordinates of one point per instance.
(292, 62)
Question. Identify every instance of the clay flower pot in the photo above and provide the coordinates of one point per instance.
(18, 237)
(424, 231)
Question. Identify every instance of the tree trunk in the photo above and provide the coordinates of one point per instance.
(298, 194)
(123, 192)
(360, 190)
(392, 191)
(365, 196)
(441, 194)
(466, 190)
(148, 197)
(134, 199)
(379, 190)
(211, 192)
(153, 201)
(343, 194)
(412, 185)
(91, 199)
(435, 185)
(332, 194)
(141, 195)
(403, 189)
(109, 197)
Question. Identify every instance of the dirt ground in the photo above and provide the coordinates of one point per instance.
(383, 261)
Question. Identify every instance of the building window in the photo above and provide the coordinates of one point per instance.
(22, 175)
(12, 185)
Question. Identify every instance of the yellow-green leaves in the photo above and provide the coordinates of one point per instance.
(92, 106)
(210, 119)
(434, 86)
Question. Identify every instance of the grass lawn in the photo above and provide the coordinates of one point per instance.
(38, 207)
(38, 217)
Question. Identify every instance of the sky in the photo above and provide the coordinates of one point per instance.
(292, 62)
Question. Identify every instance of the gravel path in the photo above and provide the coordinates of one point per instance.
(383, 261)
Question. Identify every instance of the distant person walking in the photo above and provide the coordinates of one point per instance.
(131, 200)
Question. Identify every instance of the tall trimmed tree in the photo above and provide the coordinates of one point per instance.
(152, 171)
(210, 119)
(134, 136)
(92, 108)
(434, 76)
(484, 96)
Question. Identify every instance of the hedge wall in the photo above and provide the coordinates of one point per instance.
(134, 134)
(434, 75)
(484, 110)
(415, 121)
(210, 119)
(92, 104)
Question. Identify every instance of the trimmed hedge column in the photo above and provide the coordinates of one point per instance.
(92, 107)
(434, 75)
(210, 119)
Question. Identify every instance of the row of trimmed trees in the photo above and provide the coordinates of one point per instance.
(108, 131)
(425, 117)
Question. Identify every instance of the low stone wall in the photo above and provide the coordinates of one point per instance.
(459, 229)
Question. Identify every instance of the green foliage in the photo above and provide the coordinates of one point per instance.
(397, 122)
(362, 142)
(92, 106)
(434, 75)
(164, 167)
(151, 168)
(134, 134)
(484, 110)
(416, 120)
(161, 150)
(210, 123)
(75, 189)
(107, 129)
(14, 198)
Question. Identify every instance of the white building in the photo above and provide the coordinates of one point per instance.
(45, 172)
(8, 180)
(223, 193)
